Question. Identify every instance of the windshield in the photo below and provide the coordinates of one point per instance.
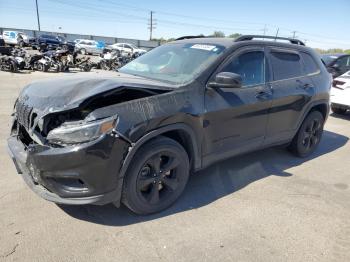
(328, 59)
(133, 46)
(174, 63)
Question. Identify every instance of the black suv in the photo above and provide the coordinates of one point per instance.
(135, 137)
(337, 64)
(53, 41)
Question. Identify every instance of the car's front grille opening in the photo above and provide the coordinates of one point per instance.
(24, 136)
(25, 115)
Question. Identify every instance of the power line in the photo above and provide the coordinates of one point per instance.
(94, 8)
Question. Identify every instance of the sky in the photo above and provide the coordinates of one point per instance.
(323, 23)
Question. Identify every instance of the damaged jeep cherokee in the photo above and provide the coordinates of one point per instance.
(135, 137)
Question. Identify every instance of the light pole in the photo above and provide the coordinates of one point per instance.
(37, 14)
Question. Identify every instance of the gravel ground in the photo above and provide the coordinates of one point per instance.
(264, 206)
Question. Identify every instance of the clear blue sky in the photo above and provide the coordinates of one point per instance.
(321, 23)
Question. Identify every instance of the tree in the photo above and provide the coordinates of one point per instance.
(218, 34)
(235, 35)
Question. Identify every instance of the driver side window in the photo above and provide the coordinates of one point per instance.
(250, 66)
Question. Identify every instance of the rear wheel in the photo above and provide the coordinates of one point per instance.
(338, 110)
(43, 67)
(13, 67)
(309, 135)
(157, 176)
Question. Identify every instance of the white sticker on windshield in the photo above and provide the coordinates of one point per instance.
(203, 47)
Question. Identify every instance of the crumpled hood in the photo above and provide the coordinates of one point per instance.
(65, 93)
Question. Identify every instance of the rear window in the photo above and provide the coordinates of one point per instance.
(48, 36)
(310, 66)
(285, 65)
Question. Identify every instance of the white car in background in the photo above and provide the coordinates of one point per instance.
(15, 38)
(127, 48)
(340, 94)
(84, 46)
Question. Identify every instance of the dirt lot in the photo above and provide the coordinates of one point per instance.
(265, 206)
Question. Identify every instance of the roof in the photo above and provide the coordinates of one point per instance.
(230, 42)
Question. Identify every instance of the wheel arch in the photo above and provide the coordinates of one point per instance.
(322, 106)
(181, 133)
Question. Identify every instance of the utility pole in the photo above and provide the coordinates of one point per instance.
(151, 25)
(37, 14)
(265, 29)
(277, 33)
(294, 32)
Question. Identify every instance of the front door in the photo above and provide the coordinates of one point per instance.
(236, 118)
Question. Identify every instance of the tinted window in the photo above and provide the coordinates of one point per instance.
(285, 65)
(250, 66)
(343, 61)
(310, 65)
(48, 36)
(328, 59)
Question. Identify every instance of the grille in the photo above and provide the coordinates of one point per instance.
(24, 115)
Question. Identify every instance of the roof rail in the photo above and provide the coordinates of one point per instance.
(189, 37)
(251, 37)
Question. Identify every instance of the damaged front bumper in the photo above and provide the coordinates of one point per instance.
(80, 174)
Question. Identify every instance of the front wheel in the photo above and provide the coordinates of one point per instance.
(309, 135)
(157, 177)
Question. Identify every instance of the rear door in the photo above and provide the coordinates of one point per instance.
(292, 90)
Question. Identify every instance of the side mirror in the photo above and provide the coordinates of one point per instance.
(226, 80)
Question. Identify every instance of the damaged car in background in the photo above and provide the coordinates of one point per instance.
(134, 137)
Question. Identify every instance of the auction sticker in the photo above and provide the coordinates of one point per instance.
(204, 47)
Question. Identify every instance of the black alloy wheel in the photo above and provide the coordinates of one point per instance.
(157, 177)
(309, 135)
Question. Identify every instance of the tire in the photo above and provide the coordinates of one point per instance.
(86, 68)
(83, 51)
(13, 67)
(338, 110)
(149, 189)
(104, 66)
(309, 135)
(43, 67)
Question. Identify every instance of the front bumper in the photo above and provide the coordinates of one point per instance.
(82, 174)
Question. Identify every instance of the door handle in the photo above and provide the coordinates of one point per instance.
(304, 85)
(263, 95)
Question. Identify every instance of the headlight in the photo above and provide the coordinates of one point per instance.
(74, 133)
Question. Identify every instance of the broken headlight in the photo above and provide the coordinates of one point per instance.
(80, 132)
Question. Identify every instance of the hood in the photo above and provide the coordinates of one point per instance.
(66, 93)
